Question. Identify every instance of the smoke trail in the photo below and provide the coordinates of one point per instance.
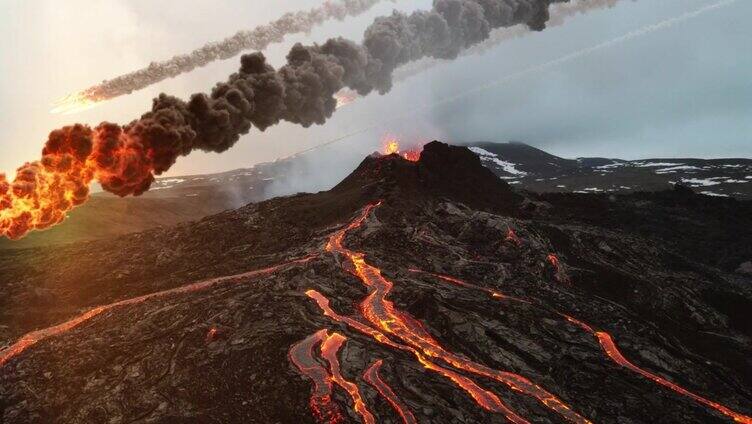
(668, 23)
(257, 39)
(559, 16)
(124, 159)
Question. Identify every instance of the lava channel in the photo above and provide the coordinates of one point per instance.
(301, 355)
(609, 347)
(35, 337)
(484, 398)
(381, 312)
(612, 351)
(372, 377)
(329, 348)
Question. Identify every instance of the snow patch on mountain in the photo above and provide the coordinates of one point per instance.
(508, 167)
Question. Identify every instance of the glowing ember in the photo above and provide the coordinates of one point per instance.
(512, 237)
(212, 335)
(372, 377)
(74, 103)
(553, 260)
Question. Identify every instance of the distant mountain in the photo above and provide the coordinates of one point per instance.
(174, 200)
(533, 169)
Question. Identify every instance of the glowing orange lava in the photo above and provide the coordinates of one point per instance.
(35, 337)
(381, 312)
(612, 351)
(484, 398)
(329, 348)
(372, 377)
(301, 355)
(392, 146)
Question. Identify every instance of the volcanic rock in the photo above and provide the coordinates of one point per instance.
(652, 272)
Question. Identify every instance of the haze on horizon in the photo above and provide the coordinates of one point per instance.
(680, 92)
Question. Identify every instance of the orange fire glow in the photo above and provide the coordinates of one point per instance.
(553, 260)
(392, 146)
(44, 191)
(301, 355)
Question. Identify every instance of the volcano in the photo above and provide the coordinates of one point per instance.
(412, 291)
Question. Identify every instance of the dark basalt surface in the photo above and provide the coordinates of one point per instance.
(658, 272)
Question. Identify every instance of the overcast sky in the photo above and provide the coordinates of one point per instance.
(683, 91)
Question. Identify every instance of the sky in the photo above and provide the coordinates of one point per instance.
(684, 91)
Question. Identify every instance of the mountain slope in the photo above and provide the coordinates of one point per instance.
(412, 290)
(532, 169)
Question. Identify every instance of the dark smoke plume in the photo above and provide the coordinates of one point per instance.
(125, 159)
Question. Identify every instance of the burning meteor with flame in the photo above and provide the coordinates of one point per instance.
(125, 159)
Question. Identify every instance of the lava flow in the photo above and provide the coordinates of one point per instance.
(381, 312)
(484, 398)
(35, 337)
(301, 355)
(329, 348)
(610, 349)
(372, 377)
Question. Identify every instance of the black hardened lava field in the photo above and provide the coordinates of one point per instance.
(423, 290)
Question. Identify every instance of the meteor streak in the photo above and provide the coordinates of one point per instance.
(258, 39)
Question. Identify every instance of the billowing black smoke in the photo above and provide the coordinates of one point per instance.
(302, 91)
